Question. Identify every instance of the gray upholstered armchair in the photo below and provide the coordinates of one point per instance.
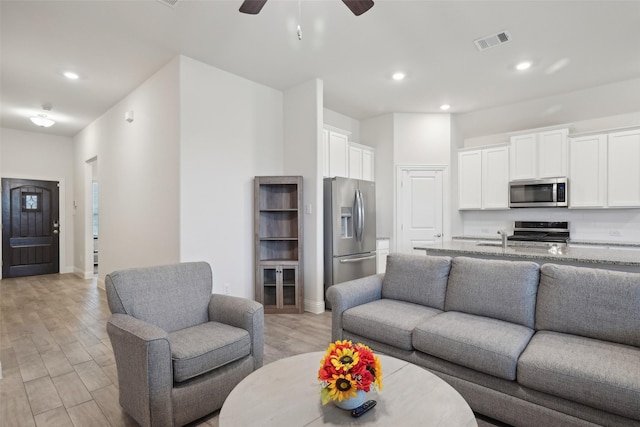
(179, 349)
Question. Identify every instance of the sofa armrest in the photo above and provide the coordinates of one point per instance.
(145, 372)
(241, 313)
(350, 294)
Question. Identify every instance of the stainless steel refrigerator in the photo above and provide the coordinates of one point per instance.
(349, 230)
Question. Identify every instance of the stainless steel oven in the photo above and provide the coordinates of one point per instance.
(551, 192)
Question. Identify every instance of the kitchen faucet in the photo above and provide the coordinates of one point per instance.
(503, 234)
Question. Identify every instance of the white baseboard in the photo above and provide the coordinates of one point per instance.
(314, 307)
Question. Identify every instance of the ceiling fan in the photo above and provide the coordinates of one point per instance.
(358, 7)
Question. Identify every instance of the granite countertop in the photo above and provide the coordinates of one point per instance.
(612, 254)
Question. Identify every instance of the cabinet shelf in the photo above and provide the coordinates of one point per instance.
(278, 243)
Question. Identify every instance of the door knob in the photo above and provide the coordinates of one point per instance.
(55, 231)
(437, 235)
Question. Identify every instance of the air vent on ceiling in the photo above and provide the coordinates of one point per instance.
(492, 40)
(170, 3)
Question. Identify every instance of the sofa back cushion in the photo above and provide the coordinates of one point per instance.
(589, 302)
(418, 279)
(171, 297)
(504, 290)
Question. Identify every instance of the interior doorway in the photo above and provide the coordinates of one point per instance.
(92, 219)
(30, 227)
(420, 207)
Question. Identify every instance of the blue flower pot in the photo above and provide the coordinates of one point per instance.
(353, 402)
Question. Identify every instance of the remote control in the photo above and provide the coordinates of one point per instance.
(363, 408)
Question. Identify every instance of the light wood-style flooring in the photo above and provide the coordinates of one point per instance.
(57, 363)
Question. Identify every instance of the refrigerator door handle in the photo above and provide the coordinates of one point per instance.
(350, 260)
(359, 208)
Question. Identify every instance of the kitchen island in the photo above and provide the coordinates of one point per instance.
(610, 257)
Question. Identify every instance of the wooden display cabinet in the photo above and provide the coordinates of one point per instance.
(278, 243)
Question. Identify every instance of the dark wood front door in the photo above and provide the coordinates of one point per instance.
(30, 227)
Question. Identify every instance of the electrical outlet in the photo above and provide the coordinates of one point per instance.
(226, 289)
(615, 233)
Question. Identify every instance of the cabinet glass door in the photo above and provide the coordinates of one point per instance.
(270, 283)
(289, 281)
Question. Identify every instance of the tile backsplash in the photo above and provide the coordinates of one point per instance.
(598, 225)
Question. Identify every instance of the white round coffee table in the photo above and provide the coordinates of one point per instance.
(287, 393)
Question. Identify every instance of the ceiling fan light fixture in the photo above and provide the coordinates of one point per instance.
(42, 120)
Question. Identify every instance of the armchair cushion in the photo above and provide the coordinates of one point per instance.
(205, 347)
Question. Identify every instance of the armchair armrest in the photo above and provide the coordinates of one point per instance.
(241, 313)
(145, 372)
(350, 294)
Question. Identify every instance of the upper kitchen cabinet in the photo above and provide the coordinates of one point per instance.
(623, 172)
(361, 160)
(587, 171)
(344, 158)
(483, 178)
(336, 153)
(539, 155)
(603, 170)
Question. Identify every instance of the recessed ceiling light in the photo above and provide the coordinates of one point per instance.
(445, 107)
(398, 76)
(71, 75)
(523, 66)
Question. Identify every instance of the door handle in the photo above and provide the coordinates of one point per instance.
(350, 260)
(55, 231)
(437, 235)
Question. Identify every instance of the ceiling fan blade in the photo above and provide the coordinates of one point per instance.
(358, 7)
(252, 7)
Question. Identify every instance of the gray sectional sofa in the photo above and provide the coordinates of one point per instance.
(528, 345)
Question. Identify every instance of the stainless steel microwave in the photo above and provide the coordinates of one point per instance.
(551, 192)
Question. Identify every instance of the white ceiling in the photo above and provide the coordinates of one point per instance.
(116, 45)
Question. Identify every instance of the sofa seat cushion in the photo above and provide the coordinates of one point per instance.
(487, 345)
(387, 321)
(202, 348)
(597, 373)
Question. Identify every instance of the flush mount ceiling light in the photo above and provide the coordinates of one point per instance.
(398, 76)
(41, 119)
(445, 107)
(71, 75)
(525, 65)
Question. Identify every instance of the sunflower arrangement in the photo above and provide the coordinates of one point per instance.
(346, 368)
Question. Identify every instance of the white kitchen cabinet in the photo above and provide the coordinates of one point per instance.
(470, 179)
(368, 165)
(495, 178)
(361, 160)
(552, 153)
(523, 156)
(539, 155)
(587, 171)
(623, 169)
(338, 154)
(483, 178)
(382, 251)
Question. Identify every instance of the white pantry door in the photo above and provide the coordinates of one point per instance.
(420, 208)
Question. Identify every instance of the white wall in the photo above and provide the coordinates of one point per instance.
(340, 121)
(616, 99)
(31, 155)
(138, 175)
(231, 131)
(378, 132)
(422, 139)
(303, 121)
